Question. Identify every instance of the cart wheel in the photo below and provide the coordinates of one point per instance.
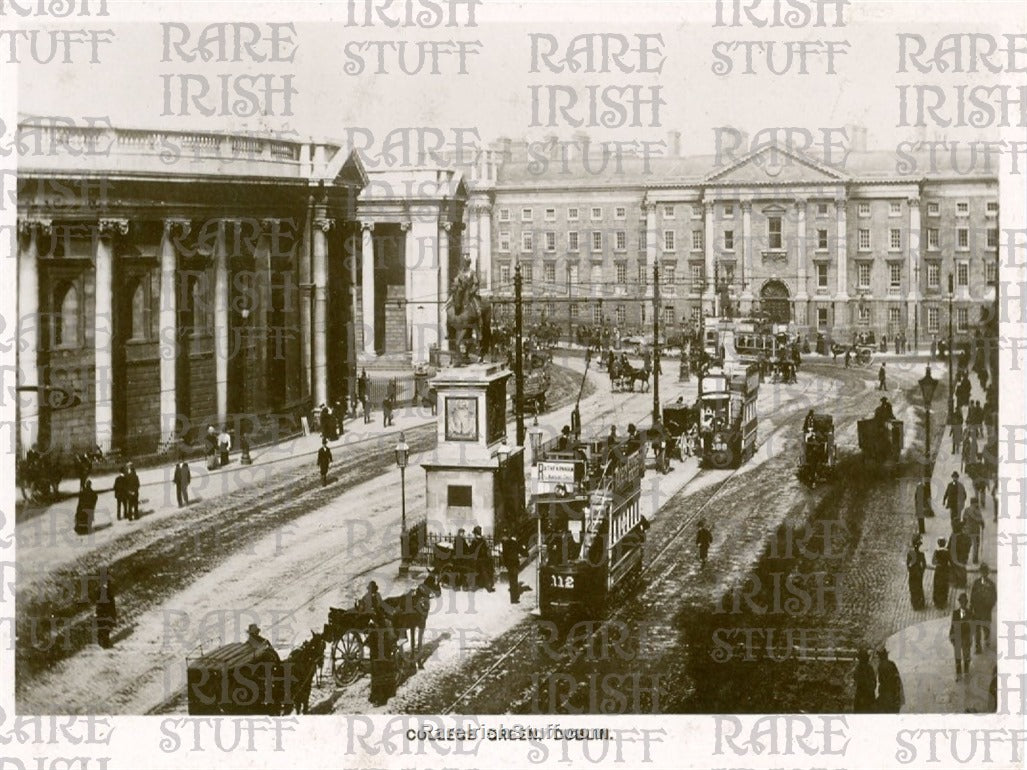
(347, 654)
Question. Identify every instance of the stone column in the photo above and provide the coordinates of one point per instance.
(322, 224)
(485, 246)
(103, 332)
(168, 325)
(221, 350)
(474, 231)
(408, 281)
(711, 290)
(367, 286)
(913, 295)
(444, 228)
(747, 275)
(28, 332)
(841, 304)
(801, 293)
(305, 301)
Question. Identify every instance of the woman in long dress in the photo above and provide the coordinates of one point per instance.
(941, 560)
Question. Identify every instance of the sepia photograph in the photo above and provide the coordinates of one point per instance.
(570, 382)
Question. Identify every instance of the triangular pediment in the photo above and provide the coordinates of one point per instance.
(774, 164)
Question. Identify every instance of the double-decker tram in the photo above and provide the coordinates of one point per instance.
(592, 531)
(727, 416)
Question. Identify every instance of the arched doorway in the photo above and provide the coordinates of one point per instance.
(775, 303)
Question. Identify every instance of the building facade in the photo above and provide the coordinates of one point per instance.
(175, 280)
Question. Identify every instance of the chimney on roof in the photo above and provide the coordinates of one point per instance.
(674, 144)
(857, 137)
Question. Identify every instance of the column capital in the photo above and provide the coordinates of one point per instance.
(649, 207)
(707, 207)
(324, 224)
(447, 226)
(183, 225)
(367, 225)
(113, 226)
(745, 204)
(269, 224)
(800, 202)
(405, 226)
(27, 224)
(914, 201)
(481, 207)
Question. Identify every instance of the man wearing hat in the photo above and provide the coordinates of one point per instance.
(484, 569)
(961, 635)
(260, 646)
(983, 597)
(890, 696)
(954, 500)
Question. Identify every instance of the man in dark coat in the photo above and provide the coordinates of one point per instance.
(961, 635)
(132, 492)
(324, 461)
(916, 564)
(106, 611)
(983, 598)
(703, 539)
(959, 552)
(866, 684)
(86, 509)
(890, 697)
(121, 493)
(461, 558)
(954, 500)
(182, 478)
(485, 570)
(882, 381)
(512, 552)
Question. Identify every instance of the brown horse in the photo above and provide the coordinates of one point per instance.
(410, 612)
(298, 674)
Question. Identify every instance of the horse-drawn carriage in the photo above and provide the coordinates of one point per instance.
(358, 637)
(880, 440)
(39, 477)
(241, 678)
(536, 383)
(623, 376)
(681, 421)
(862, 348)
(817, 450)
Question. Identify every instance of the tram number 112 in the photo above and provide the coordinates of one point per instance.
(562, 581)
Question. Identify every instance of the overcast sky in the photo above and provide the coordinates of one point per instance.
(127, 84)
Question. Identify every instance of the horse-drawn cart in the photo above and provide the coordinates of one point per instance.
(880, 440)
(817, 450)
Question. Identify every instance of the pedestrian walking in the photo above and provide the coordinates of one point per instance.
(973, 525)
(882, 381)
(954, 500)
(212, 448)
(983, 597)
(957, 431)
(485, 571)
(961, 635)
(132, 492)
(182, 478)
(848, 357)
(512, 552)
(922, 504)
(224, 446)
(106, 610)
(942, 562)
(865, 679)
(968, 455)
(324, 461)
(916, 564)
(959, 552)
(703, 539)
(86, 509)
(83, 466)
(890, 696)
(121, 493)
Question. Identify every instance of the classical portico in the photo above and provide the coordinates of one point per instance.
(410, 225)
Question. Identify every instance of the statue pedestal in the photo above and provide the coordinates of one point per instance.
(468, 482)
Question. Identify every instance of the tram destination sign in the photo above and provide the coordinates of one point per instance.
(557, 472)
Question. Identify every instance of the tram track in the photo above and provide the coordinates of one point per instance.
(655, 569)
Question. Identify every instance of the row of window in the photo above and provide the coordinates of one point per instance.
(775, 240)
(669, 211)
(669, 274)
(864, 315)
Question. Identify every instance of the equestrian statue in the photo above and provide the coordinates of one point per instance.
(468, 318)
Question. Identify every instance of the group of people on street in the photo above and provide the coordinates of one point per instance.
(219, 446)
(473, 558)
(880, 691)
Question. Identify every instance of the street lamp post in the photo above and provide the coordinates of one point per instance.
(952, 296)
(402, 455)
(928, 386)
(916, 310)
(656, 342)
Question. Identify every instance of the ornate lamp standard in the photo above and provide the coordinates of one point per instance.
(952, 400)
(928, 386)
(402, 455)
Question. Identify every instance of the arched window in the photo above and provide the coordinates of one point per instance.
(65, 330)
(139, 310)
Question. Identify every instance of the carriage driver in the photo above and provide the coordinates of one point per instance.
(372, 604)
(260, 646)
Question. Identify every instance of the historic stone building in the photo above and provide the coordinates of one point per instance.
(174, 280)
(828, 249)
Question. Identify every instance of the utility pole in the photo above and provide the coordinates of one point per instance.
(656, 342)
(952, 296)
(518, 356)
